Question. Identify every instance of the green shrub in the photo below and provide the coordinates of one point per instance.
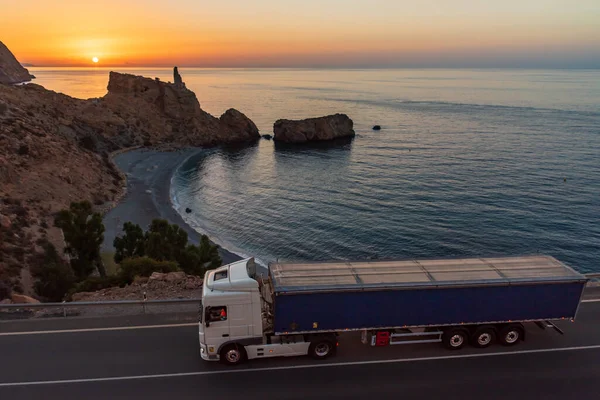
(143, 266)
(54, 278)
(167, 242)
(196, 260)
(84, 233)
(53, 281)
(131, 244)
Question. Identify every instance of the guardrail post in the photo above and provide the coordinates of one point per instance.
(64, 309)
(144, 304)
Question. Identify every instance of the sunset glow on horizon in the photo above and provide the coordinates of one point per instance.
(304, 33)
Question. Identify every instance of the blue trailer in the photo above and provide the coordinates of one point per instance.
(488, 297)
(301, 308)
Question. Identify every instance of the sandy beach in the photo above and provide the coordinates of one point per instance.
(149, 175)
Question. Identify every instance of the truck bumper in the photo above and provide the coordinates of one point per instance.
(205, 356)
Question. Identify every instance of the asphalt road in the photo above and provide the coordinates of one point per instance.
(163, 362)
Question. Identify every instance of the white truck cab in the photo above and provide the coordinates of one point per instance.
(235, 319)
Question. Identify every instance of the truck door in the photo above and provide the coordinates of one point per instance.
(216, 324)
(240, 320)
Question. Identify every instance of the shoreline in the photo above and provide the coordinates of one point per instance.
(147, 194)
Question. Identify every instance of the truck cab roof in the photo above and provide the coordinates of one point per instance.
(232, 277)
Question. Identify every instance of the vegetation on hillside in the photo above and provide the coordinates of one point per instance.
(84, 233)
(166, 242)
(162, 248)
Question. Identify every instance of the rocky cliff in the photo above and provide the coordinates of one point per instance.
(55, 149)
(11, 71)
(165, 113)
(313, 129)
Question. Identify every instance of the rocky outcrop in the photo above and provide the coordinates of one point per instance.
(170, 114)
(55, 149)
(11, 71)
(170, 285)
(235, 121)
(22, 299)
(177, 78)
(313, 129)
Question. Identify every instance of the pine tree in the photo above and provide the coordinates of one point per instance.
(84, 233)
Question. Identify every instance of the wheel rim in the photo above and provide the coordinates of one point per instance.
(484, 339)
(232, 356)
(456, 340)
(322, 349)
(511, 336)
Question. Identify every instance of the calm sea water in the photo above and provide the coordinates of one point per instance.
(468, 163)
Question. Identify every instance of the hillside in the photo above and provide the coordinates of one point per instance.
(55, 149)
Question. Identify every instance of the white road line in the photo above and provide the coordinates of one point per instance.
(116, 328)
(324, 365)
(590, 301)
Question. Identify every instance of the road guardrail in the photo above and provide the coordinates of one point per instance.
(96, 308)
(64, 306)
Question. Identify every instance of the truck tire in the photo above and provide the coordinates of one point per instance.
(455, 338)
(321, 349)
(233, 354)
(511, 335)
(483, 337)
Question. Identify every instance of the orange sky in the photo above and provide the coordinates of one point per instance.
(301, 33)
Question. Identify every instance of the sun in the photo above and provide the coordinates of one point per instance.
(95, 60)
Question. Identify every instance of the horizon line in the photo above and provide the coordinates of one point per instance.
(170, 66)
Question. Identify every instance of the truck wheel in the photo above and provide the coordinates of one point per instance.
(455, 339)
(510, 335)
(321, 349)
(233, 354)
(483, 337)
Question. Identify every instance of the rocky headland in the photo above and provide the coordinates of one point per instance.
(325, 128)
(11, 71)
(55, 149)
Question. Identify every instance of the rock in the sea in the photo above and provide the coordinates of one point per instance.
(22, 299)
(377, 128)
(313, 129)
(267, 137)
(237, 122)
(188, 210)
(11, 71)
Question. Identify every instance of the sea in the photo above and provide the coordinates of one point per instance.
(468, 162)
